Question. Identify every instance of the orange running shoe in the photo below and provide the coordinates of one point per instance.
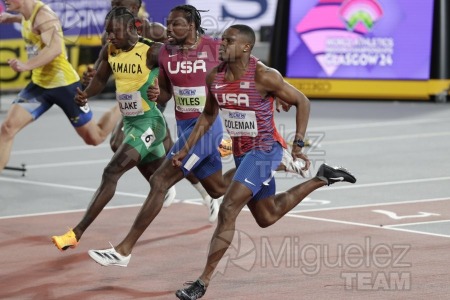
(68, 239)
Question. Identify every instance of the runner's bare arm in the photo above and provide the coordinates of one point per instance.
(161, 92)
(48, 26)
(7, 18)
(270, 81)
(152, 55)
(102, 75)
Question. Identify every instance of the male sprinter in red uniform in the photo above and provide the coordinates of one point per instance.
(244, 90)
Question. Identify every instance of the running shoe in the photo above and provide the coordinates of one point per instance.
(292, 166)
(213, 208)
(196, 290)
(334, 174)
(226, 147)
(109, 257)
(67, 240)
(170, 196)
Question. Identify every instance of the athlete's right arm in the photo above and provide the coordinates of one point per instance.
(99, 81)
(162, 92)
(7, 18)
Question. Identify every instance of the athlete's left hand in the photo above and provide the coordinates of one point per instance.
(298, 154)
(153, 91)
(18, 65)
(177, 159)
(81, 97)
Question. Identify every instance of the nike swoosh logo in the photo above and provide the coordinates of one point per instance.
(220, 86)
(172, 153)
(172, 55)
(249, 182)
(338, 178)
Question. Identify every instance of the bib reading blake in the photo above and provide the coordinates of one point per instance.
(130, 104)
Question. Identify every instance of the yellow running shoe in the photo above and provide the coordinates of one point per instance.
(68, 239)
(226, 147)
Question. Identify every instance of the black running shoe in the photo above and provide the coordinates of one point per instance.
(334, 174)
(195, 290)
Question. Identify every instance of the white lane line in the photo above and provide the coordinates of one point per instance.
(375, 204)
(348, 141)
(368, 125)
(58, 149)
(196, 202)
(388, 138)
(417, 223)
(368, 225)
(67, 164)
(143, 196)
(378, 124)
(189, 201)
(367, 185)
(23, 181)
(311, 129)
(65, 186)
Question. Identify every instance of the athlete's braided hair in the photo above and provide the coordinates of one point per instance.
(192, 15)
(123, 13)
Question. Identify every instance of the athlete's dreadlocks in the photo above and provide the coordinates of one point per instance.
(192, 15)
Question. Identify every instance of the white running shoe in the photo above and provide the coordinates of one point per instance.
(292, 166)
(170, 196)
(109, 257)
(213, 208)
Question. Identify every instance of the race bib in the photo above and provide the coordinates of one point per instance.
(130, 104)
(148, 137)
(189, 99)
(240, 122)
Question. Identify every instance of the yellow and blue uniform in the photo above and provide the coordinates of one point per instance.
(144, 125)
(53, 83)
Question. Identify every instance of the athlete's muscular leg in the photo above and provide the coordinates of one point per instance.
(217, 184)
(117, 136)
(235, 199)
(123, 160)
(95, 133)
(168, 142)
(269, 210)
(16, 119)
(148, 169)
(164, 177)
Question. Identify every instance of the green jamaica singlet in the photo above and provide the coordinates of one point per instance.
(144, 125)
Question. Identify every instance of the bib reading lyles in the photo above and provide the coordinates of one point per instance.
(189, 99)
(130, 104)
(240, 122)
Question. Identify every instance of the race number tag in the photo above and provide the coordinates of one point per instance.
(130, 104)
(148, 137)
(240, 122)
(189, 99)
